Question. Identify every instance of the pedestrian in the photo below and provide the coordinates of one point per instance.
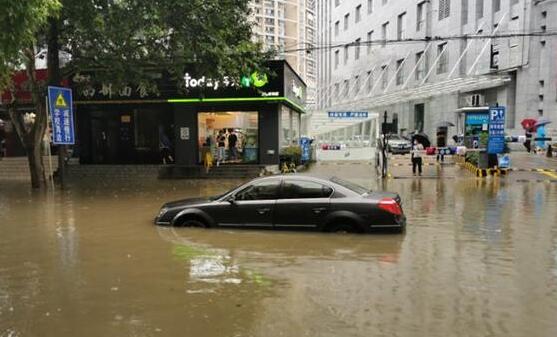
(528, 141)
(220, 147)
(232, 140)
(417, 150)
(165, 147)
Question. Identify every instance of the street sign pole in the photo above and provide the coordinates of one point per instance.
(50, 173)
(61, 113)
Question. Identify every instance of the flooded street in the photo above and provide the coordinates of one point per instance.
(479, 258)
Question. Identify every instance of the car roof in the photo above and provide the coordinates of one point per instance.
(294, 176)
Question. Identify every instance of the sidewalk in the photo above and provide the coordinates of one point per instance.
(536, 163)
(530, 161)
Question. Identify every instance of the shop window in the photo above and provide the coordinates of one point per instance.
(229, 136)
(286, 126)
(290, 127)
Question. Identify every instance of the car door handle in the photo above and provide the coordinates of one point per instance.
(263, 210)
(319, 210)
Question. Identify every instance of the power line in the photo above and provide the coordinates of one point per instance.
(425, 39)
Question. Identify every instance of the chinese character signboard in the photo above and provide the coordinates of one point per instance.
(61, 115)
(348, 114)
(496, 141)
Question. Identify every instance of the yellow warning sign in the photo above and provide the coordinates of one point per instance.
(60, 101)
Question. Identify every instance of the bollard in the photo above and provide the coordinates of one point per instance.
(549, 151)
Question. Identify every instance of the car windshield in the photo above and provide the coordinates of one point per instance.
(394, 137)
(351, 186)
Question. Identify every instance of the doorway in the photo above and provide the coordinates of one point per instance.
(230, 137)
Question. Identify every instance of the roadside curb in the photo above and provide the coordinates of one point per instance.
(482, 173)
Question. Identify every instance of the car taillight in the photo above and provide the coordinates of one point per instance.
(390, 205)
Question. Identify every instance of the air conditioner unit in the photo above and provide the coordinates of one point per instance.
(474, 100)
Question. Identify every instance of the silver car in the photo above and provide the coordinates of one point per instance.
(398, 145)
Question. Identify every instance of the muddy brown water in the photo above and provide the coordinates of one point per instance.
(478, 259)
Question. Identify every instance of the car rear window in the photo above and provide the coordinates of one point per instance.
(351, 186)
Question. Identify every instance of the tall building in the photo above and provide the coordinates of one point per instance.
(427, 61)
(288, 26)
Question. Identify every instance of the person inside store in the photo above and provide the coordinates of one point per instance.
(221, 142)
(232, 142)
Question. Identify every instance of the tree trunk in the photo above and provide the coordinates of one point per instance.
(36, 168)
(36, 133)
(54, 79)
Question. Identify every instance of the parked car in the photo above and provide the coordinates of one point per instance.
(398, 145)
(291, 202)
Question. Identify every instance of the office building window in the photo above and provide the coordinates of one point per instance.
(384, 77)
(358, 13)
(384, 2)
(443, 55)
(337, 90)
(369, 81)
(496, 5)
(337, 57)
(384, 28)
(346, 54)
(357, 49)
(464, 11)
(337, 28)
(346, 88)
(479, 9)
(444, 9)
(420, 66)
(401, 26)
(369, 6)
(346, 20)
(369, 39)
(399, 72)
(420, 16)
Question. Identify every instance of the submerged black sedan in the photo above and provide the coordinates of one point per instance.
(291, 202)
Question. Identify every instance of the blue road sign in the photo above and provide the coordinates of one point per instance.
(306, 148)
(496, 140)
(60, 105)
(348, 114)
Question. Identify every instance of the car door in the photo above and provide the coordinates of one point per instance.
(303, 204)
(255, 204)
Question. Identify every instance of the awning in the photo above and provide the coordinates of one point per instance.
(464, 84)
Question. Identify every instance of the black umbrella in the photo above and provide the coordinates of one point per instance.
(422, 139)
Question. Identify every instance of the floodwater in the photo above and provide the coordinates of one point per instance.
(479, 258)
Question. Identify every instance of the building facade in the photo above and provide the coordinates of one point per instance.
(425, 61)
(253, 117)
(288, 26)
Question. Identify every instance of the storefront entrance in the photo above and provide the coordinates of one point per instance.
(228, 137)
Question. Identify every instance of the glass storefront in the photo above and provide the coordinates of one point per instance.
(289, 127)
(228, 137)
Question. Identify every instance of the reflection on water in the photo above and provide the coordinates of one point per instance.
(478, 258)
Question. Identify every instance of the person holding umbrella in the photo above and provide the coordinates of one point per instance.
(529, 126)
(417, 150)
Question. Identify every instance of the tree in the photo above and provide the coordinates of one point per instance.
(120, 40)
(20, 22)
